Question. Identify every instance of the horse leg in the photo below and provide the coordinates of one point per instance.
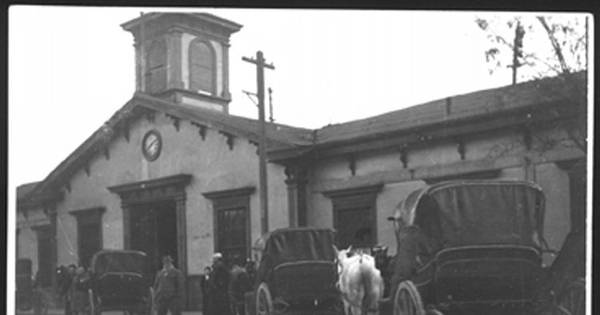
(347, 306)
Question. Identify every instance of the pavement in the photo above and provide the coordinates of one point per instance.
(60, 311)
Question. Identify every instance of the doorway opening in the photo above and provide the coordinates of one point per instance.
(153, 230)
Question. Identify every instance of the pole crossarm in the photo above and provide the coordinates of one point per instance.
(259, 63)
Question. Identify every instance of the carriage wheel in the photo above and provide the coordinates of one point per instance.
(264, 303)
(407, 300)
(573, 298)
(92, 302)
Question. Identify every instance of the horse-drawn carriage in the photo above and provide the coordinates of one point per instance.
(297, 273)
(469, 247)
(118, 282)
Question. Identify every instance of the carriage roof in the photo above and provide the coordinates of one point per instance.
(297, 244)
(474, 212)
(118, 261)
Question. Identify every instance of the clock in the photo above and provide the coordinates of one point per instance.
(151, 145)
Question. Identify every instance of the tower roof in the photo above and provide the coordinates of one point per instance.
(163, 20)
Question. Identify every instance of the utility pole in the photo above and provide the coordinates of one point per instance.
(260, 81)
(517, 50)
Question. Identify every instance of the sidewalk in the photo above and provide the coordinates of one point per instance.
(60, 311)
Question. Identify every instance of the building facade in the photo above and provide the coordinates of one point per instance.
(172, 172)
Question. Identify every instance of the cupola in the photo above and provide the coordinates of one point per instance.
(183, 57)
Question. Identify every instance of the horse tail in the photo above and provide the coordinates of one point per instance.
(371, 297)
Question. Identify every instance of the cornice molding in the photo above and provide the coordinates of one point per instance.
(363, 190)
(175, 180)
(87, 212)
(245, 191)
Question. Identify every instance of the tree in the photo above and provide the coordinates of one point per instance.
(545, 45)
(539, 46)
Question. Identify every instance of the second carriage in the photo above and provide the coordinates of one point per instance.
(469, 247)
(119, 283)
(296, 274)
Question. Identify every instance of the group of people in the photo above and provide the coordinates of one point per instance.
(73, 286)
(222, 288)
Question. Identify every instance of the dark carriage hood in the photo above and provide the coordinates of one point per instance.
(293, 245)
(297, 244)
(118, 261)
(477, 213)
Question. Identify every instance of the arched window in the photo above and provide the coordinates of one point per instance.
(156, 75)
(202, 67)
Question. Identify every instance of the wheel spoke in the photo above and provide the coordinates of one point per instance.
(407, 300)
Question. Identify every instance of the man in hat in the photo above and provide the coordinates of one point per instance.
(168, 288)
(219, 287)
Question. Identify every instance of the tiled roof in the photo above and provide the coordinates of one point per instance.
(278, 136)
(486, 102)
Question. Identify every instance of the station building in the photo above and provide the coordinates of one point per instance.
(172, 172)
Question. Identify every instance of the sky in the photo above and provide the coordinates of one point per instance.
(71, 68)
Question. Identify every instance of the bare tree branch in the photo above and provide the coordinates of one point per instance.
(555, 45)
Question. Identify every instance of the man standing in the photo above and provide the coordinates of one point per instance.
(239, 285)
(206, 294)
(219, 279)
(168, 286)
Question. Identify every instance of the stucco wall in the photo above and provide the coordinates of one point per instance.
(214, 166)
(557, 224)
(27, 237)
(499, 150)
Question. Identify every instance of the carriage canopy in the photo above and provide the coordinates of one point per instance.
(462, 213)
(291, 245)
(118, 261)
(297, 244)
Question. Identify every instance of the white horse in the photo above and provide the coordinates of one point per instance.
(360, 282)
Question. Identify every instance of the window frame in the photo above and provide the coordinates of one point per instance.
(156, 75)
(228, 200)
(213, 65)
(86, 217)
(346, 199)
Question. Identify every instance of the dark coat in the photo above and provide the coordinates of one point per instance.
(206, 292)
(79, 288)
(219, 288)
(240, 284)
(412, 253)
(169, 283)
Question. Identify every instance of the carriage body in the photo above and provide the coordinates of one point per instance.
(118, 282)
(469, 247)
(296, 274)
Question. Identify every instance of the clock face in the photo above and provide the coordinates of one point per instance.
(151, 145)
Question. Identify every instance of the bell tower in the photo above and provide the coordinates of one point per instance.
(183, 57)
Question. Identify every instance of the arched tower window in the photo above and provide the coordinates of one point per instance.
(156, 75)
(202, 67)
